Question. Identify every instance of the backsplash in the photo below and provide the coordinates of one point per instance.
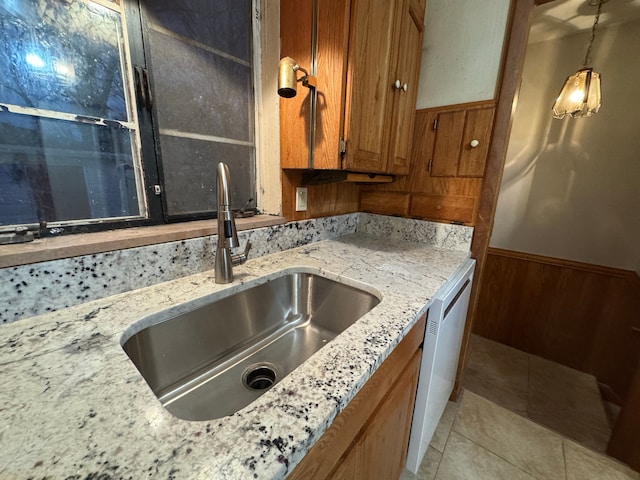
(29, 290)
(444, 235)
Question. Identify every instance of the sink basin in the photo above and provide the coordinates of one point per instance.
(216, 359)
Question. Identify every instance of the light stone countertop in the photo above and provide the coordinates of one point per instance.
(72, 404)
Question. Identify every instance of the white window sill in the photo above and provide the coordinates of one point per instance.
(55, 248)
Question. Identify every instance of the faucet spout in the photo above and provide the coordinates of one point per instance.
(227, 233)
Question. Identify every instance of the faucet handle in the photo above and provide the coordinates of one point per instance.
(240, 258)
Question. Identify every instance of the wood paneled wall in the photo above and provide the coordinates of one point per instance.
(322, 200)
(580, 315)
(421, 194)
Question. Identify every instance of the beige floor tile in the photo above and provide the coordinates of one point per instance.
(583, 464)
(441, 434)
(464, 460)
(528, 446)
(498, 372)
(428, 467)
(568, 401)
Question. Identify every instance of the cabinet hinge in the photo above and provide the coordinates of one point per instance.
(157, 189)
(430, 164)
(342, 146)
(435, 124)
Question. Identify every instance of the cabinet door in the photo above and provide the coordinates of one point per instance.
(381, 451)
(369, 87)
(461, 142)
(349, 467)
(446, 150)
(411, 28)
(384, 442)
(475, 142)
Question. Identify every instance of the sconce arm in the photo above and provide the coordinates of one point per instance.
(307, 80)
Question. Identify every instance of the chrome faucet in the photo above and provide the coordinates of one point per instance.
(227, 234)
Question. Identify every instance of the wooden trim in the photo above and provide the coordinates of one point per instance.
(328, 450)
(385, 203)
(561, 262)
(460, 106)
(516, 45)
(450, 208)
(368, 178)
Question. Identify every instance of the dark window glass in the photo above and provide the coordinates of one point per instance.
(67, 137)
(55, 170)
(62, 56)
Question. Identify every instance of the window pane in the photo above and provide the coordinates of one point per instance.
(191, 182)
(57, 170)
(68, 146)
(223, 25)
(201, 67)
(200, 92)
(62, 56)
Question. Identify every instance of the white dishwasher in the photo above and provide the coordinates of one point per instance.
(443, 336)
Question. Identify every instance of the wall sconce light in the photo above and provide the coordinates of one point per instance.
(288, 78)
(580, 96)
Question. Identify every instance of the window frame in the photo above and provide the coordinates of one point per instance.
(147, 131)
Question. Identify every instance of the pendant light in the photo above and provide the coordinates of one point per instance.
(580, 96)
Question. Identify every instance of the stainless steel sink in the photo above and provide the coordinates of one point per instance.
(216, 359)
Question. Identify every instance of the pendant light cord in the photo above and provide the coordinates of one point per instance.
(587, 57)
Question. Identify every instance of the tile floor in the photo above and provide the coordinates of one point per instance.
(478, 439)
(558, 397)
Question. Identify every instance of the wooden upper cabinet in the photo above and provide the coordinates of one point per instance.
(461, 143)
(382, 84)
(369, 85)
(411, 27)
(363, 47)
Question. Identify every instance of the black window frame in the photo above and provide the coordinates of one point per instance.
(136, 25)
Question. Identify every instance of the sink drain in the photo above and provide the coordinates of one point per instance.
(259, 377)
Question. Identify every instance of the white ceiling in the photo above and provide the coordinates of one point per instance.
(566, 17)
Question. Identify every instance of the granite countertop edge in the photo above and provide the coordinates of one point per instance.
(74, 405)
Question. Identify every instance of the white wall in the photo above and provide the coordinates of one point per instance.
(461, 51)
(571, 187)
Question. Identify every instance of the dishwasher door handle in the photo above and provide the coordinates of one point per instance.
(455, 299)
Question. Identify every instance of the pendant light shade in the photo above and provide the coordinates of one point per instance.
(580, 96)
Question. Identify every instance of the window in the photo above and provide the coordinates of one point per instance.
(201, 66)
(105, 103)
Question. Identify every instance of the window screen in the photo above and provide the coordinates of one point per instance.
(201, 67)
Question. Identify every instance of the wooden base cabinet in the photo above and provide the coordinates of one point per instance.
(382, 448)
(369, 439)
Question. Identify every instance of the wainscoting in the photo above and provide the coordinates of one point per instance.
(580, 315)
(583, 316)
